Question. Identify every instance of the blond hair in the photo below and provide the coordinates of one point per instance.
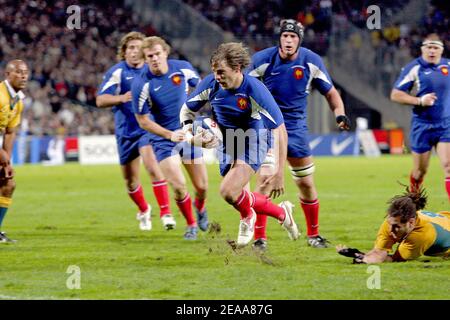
(134, 35)
(234, 54)
(150, 42)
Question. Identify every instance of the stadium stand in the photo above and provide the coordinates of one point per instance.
(67, 65)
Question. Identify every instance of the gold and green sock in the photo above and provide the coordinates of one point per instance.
(4, 205)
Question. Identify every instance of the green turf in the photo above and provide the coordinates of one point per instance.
(81, 215)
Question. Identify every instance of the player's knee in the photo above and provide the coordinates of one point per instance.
(132, 184)
(419, 173)
(201, 188)
(227, 194)
(201, 192)
(9, 187)
(224, 192)
(305, 184)
(155, 173)
(446, 166)
(301, 172)
(179, 194)
(179, 189)
(154, 176)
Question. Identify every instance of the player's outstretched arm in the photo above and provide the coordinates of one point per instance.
(372, 257)
(399, 96)
(376, 256)
(337, 107)
(109, 100)
(151, 126)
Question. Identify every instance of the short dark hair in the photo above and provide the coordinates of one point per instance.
(432, 37)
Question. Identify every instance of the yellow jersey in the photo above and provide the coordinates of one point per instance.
(430, 236)
(11, 106)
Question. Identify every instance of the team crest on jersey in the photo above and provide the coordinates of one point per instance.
(444, 70)
(298, 73)
(176, 80)
(242, 103)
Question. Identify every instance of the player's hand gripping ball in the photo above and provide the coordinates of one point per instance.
(207, 124)
(208, 131)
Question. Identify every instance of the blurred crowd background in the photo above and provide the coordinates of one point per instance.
(67, 65)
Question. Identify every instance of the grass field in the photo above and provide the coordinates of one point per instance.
(81, 215)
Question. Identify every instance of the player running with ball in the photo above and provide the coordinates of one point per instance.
(242, 106)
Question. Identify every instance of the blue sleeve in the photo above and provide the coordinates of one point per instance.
(263, 101)
(111, 82)
(407, 77)
(257, 68)
(191, 75)
(193, 82)
(140, 91)
(200, 95)
(321, 80)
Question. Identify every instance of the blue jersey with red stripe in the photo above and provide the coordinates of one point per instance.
(290, 81)
(117, 81)
(419, 78)
(162, 96)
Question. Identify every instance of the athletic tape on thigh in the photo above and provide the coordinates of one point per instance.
(299, 172)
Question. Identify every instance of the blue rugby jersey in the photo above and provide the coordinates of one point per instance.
(419, 78)
(249, 106)
(290, 81)
(116, 81)
(162, 96)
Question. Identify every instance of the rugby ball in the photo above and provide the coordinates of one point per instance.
(207, 124)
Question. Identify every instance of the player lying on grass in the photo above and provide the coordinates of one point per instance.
(244, 110)
(416, 231)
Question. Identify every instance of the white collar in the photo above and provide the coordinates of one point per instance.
(13, 92)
